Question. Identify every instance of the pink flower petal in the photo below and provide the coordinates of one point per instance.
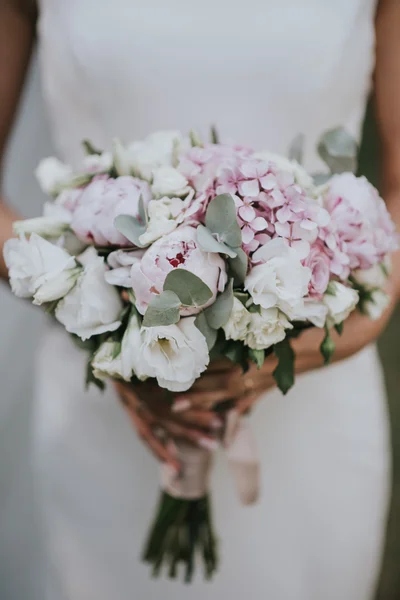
(308, 225)
(268, 182)
(247, 213)
(252, 246)
(249, 188)
(247, 234)
(259, 224)
(283, 229)
(284, 214)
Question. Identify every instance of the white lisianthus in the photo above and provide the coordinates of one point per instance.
(57, 287)
(376, 304)
(280, 280)
(53, 175)
(314, 311)
(53, 224)
(92, 306)
(98, 163)
(120, 263)
(168, 181)
(340, 301)
(375, 277)
(141, 158)
(131, 350)
(35, 263)
(175, 354)
(266, 328)
(106, 361)
(290, 166)
(237, 325)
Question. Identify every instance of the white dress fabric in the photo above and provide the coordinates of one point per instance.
(261, 71)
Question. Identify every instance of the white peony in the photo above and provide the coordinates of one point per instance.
(236, 327)
(175, 354)
(53, 175)
(290, 166)
(168, 181)
(106, 361)
(266, 328)
(340, 301)
(280, 280)
(92, 306)
(377, 303)
(35, 264)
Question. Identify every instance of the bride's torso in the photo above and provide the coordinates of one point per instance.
(260, 70)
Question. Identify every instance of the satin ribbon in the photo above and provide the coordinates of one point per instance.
(240, 450)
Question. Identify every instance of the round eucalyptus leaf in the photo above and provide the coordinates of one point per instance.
(338, 150)
(209, 333)
(163, 309)
(239, 265)
(189, 288)
(208, 243)
(221, 219)
(296, 148)
(217, 314)
(130, 227)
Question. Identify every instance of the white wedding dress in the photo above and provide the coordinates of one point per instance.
(261, 71)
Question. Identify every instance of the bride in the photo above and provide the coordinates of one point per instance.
(262, 71)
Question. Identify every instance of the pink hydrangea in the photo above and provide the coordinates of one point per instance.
(361, 231)
(100, 202)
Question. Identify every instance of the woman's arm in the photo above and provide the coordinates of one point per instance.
(17, 31)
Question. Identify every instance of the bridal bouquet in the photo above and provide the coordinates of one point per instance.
(164, 254)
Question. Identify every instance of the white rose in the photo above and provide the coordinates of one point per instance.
(168, 181)
(106, 362)
(35, 262)
(375, 306)
(236, 327)
(314, 311)
(291, 166)
(53, 175)
(375, 277)
(280, 280)
(131, 349)
(340, 302)
(267, 328)
(176, 354)
(92, 306)
(164, 216)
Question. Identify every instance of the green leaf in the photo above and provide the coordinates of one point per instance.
(189, 288)
(90, 378)
(327, 347)
(238, 266)
(339, 327)
(257, 356)
(195, 139)
(209, 333)
(221, 219)
(142, 212)
(321, 178)
(284, 372)
(208, 243)
(237, 353)
(242, 297)
(338, 150)
(130, 227)
(296, 148)
(163, 309)
(214, 135)
(217, 314)
(89, 148)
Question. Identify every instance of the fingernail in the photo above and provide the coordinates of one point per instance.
(208, 444)
(180, 405)
(216, 424)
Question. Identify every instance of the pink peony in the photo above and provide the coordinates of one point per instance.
(176, 250)
(361, 231)
(319, 264)
(103, 200)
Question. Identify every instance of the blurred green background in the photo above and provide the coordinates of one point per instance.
(389, 346)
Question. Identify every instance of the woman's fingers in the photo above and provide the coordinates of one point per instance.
(205, 419)
(244, 404)
(192, 435)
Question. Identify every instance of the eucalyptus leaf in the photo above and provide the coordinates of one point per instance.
(217, 314)
(284, 372)
(241, 296)
(296, 148)
(257, 356)
(338, 150)
(327, 347)
(214, 135)
(189, 288)
(90, 149)
(239, 265)
(209, 333)
(130, 227)
(321, 178)
(208, 243)
(339, 327)
(142, 212)
(90, 377)
(163, 309)
(221, 219)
